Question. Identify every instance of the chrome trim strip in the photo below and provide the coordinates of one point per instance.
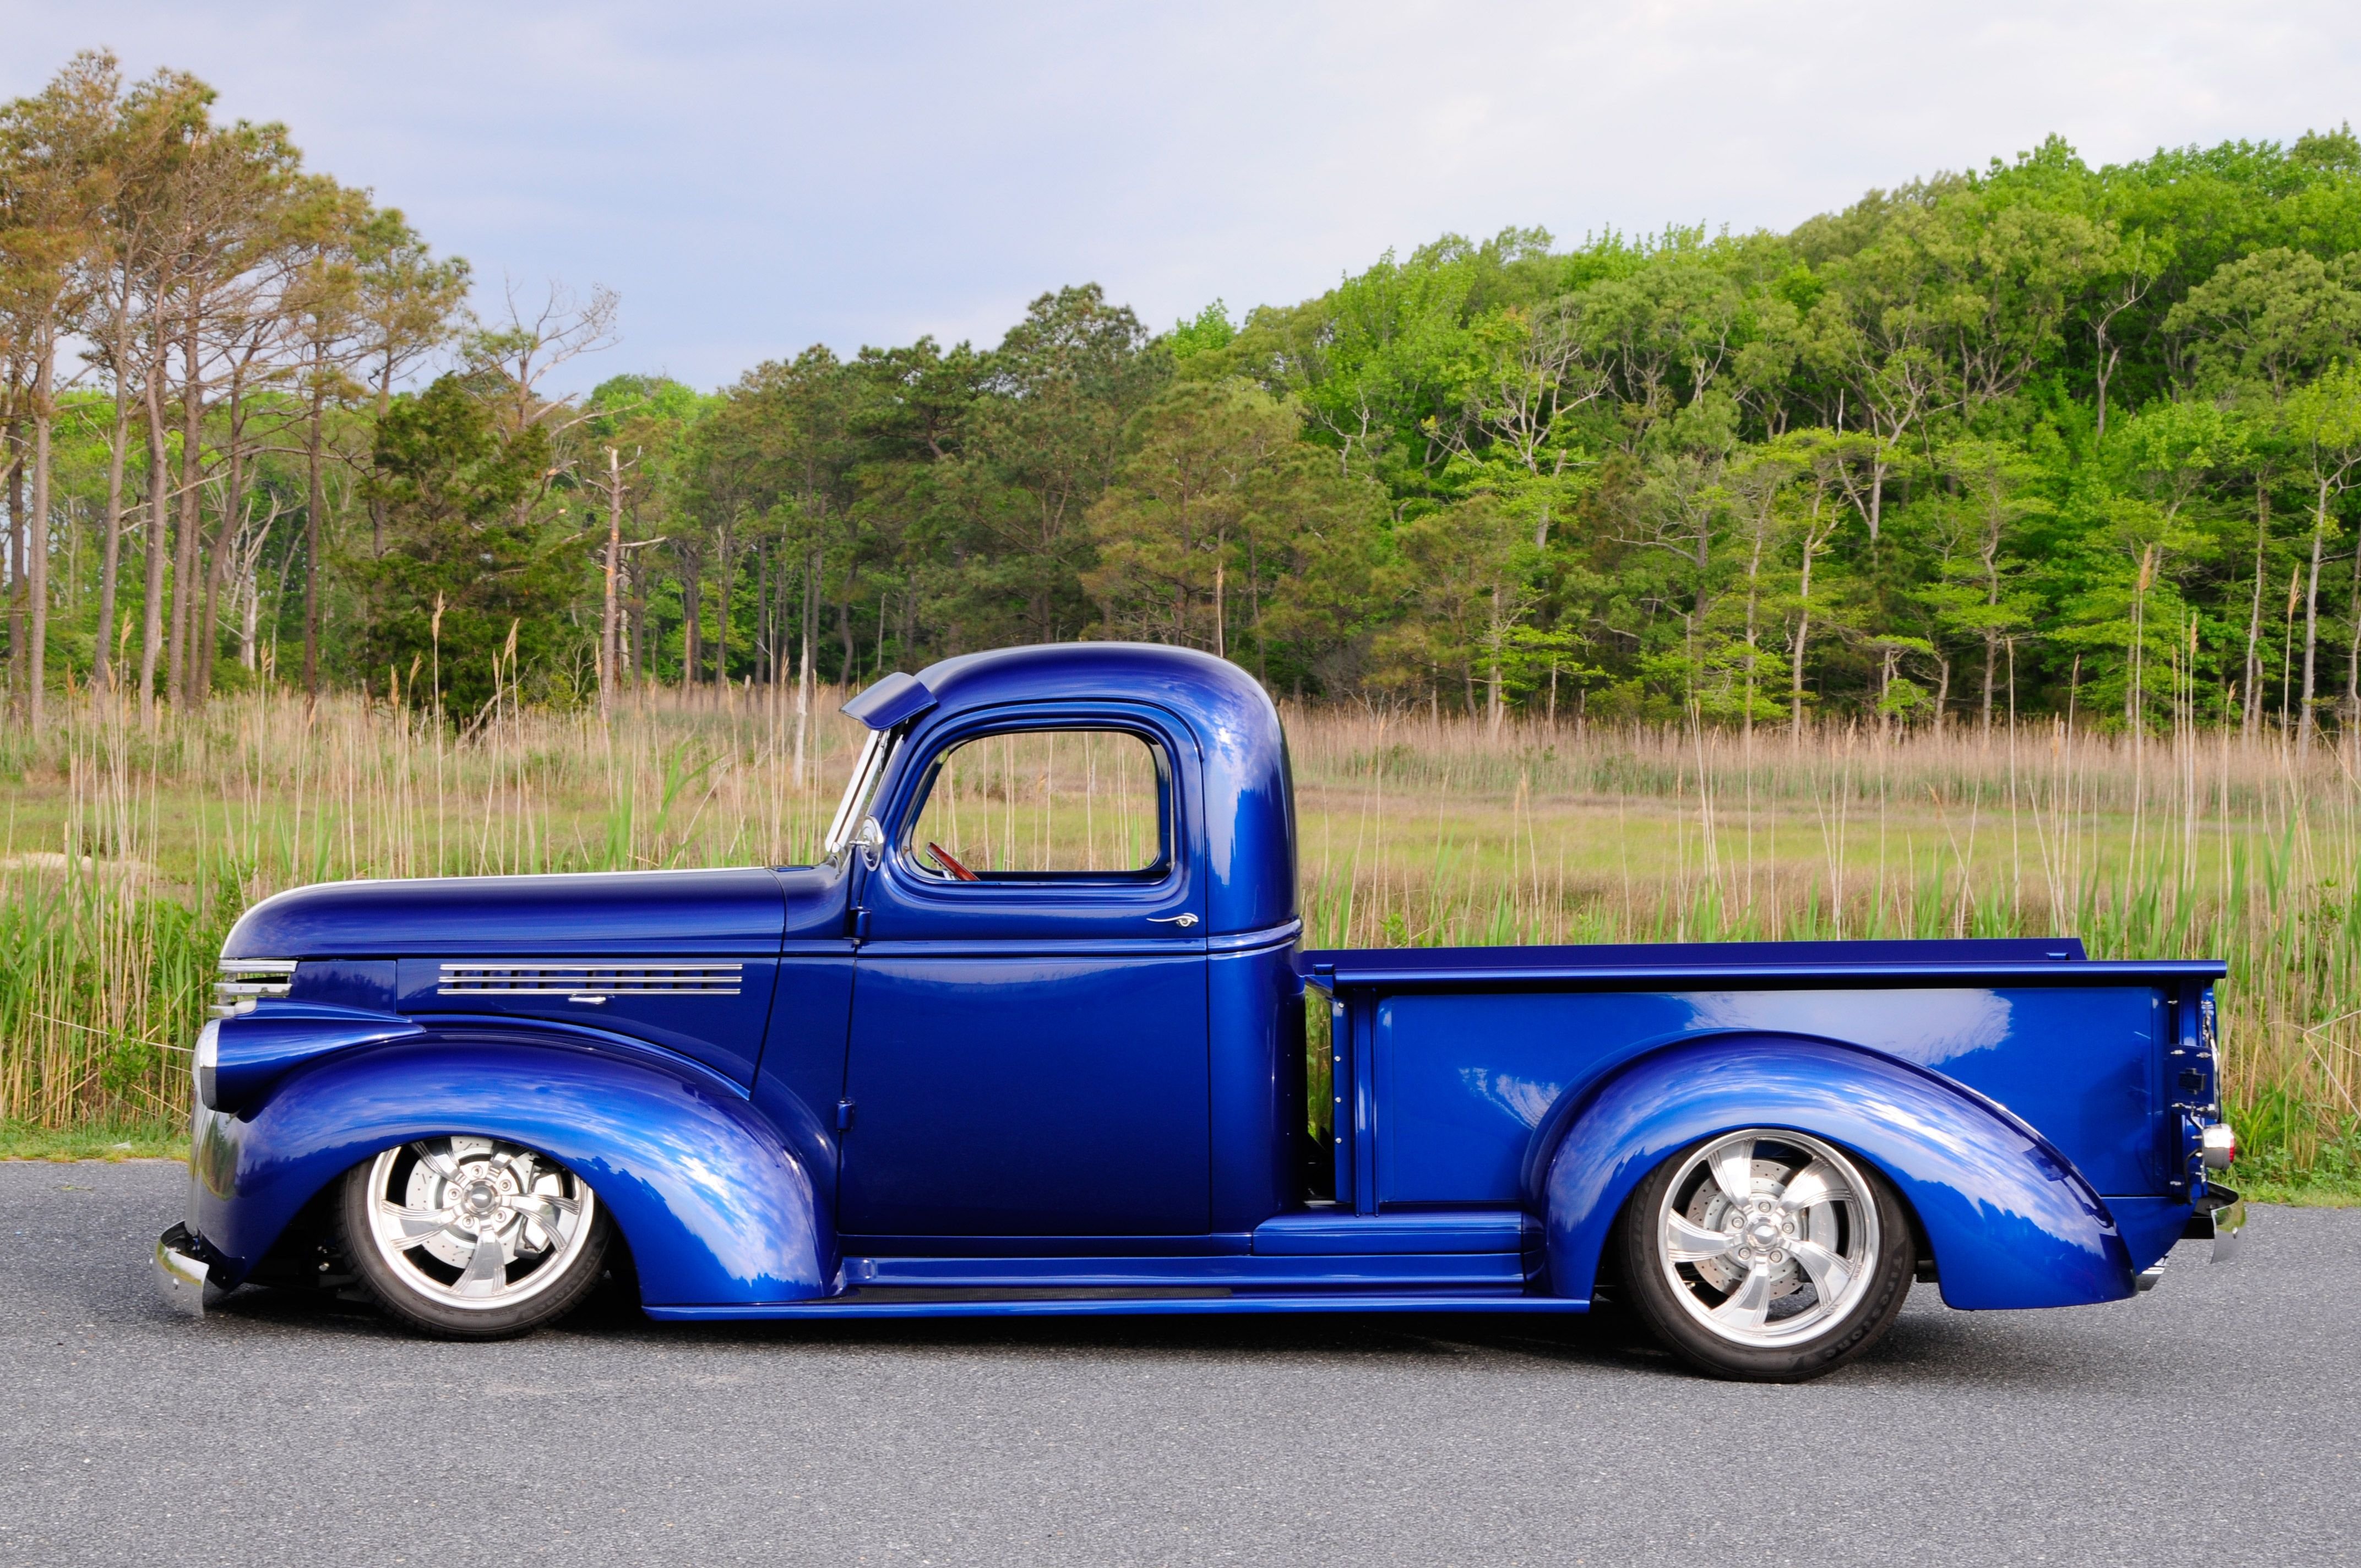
(245, 982)
(521, 978)
(1246, 941)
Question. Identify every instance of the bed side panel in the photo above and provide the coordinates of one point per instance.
(1465, 1081)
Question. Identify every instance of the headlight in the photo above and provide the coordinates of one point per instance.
(208, 1061)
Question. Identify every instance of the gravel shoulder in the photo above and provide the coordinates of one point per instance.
(2212, 1420)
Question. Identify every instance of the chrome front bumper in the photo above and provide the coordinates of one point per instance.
(181, 1277)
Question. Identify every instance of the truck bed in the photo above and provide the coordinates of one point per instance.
(1452, 1066)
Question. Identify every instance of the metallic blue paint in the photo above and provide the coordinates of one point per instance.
(1054, 1090)
(1460, 1265)
(1501, 1299)
(817, 899)
(889, 702)
(2010, 1222)
(253, 1050)
(802, 1076)
(1691, 960)
(718, 913)
(1255, 1076)
(1323, 1231)
(1469, 1085)
(699, 1183)
(365, 983)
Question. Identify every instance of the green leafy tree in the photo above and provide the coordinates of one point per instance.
(470, 586)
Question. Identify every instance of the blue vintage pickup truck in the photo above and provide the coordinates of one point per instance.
(1034, 1038)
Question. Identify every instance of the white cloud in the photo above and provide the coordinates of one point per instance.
(753, 178)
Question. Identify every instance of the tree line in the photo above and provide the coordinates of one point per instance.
(2038, 438)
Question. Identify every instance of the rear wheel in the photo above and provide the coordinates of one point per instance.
(473, 1237)
(1767, 1254)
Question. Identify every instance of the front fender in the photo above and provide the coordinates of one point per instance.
(2012, 1223)
(713, 1206)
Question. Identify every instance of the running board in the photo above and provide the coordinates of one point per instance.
(1116, 1301)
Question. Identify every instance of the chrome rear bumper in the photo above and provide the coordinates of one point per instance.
(181, 1277)
(2221, 1216)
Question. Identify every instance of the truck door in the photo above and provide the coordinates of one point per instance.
(1028, 1045)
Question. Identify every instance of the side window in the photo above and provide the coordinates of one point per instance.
(1043, 804)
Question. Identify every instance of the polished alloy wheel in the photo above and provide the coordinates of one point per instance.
(475, 1223)
(1768, 1238)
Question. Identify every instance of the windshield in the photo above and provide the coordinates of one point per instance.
(859, 790)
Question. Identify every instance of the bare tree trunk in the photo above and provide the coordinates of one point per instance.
(37, 577)
(15, 551)
(1254, 600)
(377, 502)
(250, 614)
(762, 610)
(1220, 610)
(315, 501)
(2251, 718)
(804, 673)
(727, 571)
(160, 499)
(2351, 715)
(639, 633)
(1992, 661)
(225, 528)
(110, 560)
(614, 560)
(692, 616)
(2307, 721)
(186, 568)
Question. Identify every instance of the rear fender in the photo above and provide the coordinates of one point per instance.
(2010, 1222)
(714, 1207)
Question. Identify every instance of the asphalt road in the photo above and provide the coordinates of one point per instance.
(2215, 1420)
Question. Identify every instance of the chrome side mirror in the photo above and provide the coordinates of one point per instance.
(871, 837)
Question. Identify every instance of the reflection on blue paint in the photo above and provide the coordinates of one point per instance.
(1525, 1100)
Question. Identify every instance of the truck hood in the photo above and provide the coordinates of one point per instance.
(746, 911)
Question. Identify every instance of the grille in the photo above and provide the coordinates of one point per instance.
(245, 982)
(626, 979)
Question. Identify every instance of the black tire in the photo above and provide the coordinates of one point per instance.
(1676, 1297)
(407, 1285)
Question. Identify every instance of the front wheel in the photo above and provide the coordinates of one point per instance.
(1767, 1254)
(473, 1237)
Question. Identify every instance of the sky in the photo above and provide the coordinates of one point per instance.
(754, 179)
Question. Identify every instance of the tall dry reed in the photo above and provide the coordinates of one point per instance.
(127, 853)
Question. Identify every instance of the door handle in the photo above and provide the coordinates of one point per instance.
(1184, 921)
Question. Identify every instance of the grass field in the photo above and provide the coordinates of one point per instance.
(126, 854)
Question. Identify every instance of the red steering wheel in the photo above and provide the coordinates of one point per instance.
(944, 859)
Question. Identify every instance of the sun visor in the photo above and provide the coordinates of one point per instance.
(896, 697)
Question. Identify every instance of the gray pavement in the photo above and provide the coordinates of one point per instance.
(2215, 1420)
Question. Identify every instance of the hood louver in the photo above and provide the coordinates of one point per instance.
(624, 978)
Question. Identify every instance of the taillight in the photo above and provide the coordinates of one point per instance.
(2220, 1142)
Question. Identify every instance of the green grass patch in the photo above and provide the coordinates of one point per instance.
(2327, 1176)
(103, 1140)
